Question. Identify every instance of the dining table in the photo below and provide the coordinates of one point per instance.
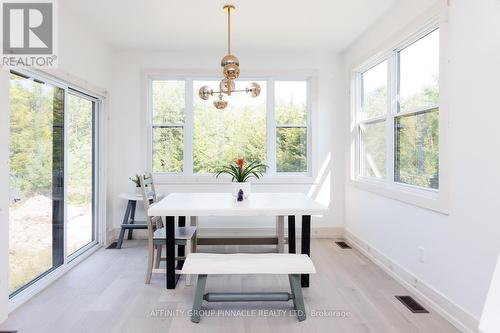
(177, 206)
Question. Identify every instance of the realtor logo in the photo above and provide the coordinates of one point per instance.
(28, 33)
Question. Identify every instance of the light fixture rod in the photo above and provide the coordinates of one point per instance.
(228, 8)
(228, 30)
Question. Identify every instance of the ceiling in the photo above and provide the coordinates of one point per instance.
(156, 25)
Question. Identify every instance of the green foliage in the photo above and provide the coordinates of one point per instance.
(137, 180)
(291, 149)
(168, 101)
(168, 149)
(241, 173)
(219, 135)
(31, 136)
(168, 98)
(417, 149)
(80, 134)
(291, 142)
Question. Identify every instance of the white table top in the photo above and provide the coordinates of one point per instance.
(224, 204)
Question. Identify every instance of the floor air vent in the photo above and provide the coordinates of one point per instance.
(411, 304)
(343, 245)
(112, 245)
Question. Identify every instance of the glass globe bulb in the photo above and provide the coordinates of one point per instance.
(253, 89)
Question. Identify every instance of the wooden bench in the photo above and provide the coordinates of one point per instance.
(205, 264)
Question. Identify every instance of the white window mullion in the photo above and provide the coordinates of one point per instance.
(65, 185)
(188, 129)
(149, 121)
(358, 86)
(271, 129)
(393, 99)
(309, 130)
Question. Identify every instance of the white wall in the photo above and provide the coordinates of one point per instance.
(461, 248)
(490, 322)
(128, 127)
(84, 61)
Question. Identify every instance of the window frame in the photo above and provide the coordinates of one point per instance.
(433, 199)
(188, 175)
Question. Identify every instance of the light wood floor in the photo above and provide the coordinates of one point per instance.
(106, 293)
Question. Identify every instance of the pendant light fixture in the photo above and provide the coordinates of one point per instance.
(231, 70)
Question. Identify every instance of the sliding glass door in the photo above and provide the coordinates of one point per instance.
(81, 171)
(52, 177)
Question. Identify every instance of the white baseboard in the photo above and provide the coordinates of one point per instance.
(316, 232)
(425, 293)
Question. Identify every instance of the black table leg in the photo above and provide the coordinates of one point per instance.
(170, 240)
(306, 245)
(291, 234)
(132, 219)
(126, 219)
(181, 251)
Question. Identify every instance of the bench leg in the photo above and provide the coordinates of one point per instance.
(298, 298)
(198, 298)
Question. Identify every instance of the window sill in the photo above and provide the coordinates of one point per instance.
(420, 197)
(165, 179)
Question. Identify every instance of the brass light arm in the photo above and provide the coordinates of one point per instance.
(223, 92)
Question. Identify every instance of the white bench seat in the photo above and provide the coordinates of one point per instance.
(245, 263)
(205, 264)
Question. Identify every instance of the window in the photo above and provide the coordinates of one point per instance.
(417, 122)
(397, 115)
(169, 104)
(190, 137)
(291, 125)
(373, 122)
(50, 124)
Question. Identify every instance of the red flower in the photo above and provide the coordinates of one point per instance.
(240, 162)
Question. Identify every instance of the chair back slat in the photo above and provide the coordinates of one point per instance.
(149, 197)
